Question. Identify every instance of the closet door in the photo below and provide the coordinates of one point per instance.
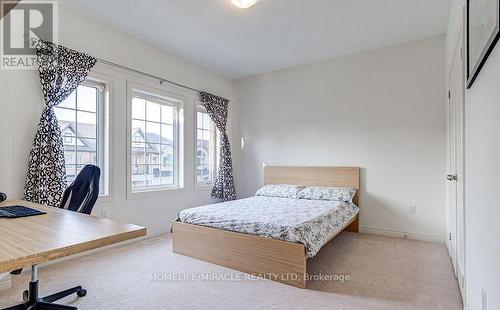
(455, 171)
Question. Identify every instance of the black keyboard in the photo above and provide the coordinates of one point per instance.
(18, 211)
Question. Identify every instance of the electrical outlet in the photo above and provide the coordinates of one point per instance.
(104, 214)
(484, 300)
(412, 208)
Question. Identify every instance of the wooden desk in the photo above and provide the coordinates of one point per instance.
(33, 240)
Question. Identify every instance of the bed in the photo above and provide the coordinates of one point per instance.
(276, 246)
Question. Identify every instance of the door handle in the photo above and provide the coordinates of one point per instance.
(452, 177)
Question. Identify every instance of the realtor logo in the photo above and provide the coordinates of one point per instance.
(26, 22)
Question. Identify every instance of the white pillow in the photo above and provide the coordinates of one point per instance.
(328, 193)
(280, 190)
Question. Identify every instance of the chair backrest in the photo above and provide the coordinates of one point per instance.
(82, 194)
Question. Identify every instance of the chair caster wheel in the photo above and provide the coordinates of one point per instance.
(26, 295)
(82, 292)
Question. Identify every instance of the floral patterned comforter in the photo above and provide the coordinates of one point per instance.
(310, 222)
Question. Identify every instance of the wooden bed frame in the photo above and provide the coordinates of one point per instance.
(276, 260)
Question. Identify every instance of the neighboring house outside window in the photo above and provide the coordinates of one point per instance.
(154, 148)
(152, 162)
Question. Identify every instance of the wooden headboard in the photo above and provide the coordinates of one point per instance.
(314, 176)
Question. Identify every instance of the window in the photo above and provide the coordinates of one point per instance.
(206, 148)
(83, 126)
(154, 142)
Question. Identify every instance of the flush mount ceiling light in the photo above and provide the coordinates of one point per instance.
(244, 4)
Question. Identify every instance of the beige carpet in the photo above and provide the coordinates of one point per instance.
(385, 274)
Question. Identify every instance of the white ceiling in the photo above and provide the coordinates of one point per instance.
(273, 34)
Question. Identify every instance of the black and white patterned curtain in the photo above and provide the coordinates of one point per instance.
(61, 70)
(217, 109)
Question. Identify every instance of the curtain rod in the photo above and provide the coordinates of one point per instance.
(162, 80)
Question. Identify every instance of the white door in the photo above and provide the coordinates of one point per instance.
(455, 171)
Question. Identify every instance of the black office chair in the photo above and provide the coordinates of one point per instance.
(82, 194)
(81, 197)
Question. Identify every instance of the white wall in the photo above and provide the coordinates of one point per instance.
(21, 106)
(382, 110)
(5, 137)
(482, 171)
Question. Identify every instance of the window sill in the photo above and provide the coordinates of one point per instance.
(203, 187)
(154, 192)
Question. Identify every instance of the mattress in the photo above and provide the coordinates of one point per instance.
(310, 222)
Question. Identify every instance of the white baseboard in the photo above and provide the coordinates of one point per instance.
(5, 281)
(450, 248)
(401, 234)
(155, 232)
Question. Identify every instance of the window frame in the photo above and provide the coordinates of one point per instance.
(103, 128)
(177, 102)
(203, 186)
